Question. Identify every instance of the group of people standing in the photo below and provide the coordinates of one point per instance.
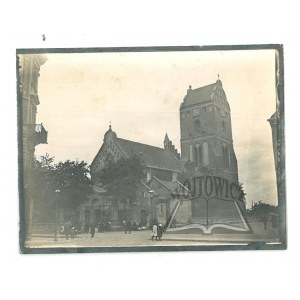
(274, 220)
(68, 229)
(157, 232)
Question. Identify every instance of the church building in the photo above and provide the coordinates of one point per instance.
(162, 170)
(206, 150)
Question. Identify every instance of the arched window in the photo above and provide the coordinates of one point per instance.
(197, 125)
(205, 154)
(198, 155)
(226, 157)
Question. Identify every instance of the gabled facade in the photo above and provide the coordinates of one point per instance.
(163, 163)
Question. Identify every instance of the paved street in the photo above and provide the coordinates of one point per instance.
(143, 238)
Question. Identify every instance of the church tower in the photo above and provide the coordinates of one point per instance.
(206, 135)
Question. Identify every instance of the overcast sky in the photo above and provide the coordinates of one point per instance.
(140, 93)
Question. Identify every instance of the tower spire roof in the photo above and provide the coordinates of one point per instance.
(166, 138)
(219, 82)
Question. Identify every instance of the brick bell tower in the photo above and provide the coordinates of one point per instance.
(206, 135)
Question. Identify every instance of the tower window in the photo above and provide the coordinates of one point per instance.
(191, 153)
(205, 154)
(226, 157)
(197, 125)
(204, 110)
(196, 112)
(198, 155)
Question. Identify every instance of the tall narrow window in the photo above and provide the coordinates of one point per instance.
(198, 155)
(191, 153)
(205, 154)
(197, 125)
(225, 151)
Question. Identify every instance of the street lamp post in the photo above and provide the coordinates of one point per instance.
(56, 216)
(152, 195)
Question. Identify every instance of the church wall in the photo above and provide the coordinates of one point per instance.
(161, 213)
(189, 125)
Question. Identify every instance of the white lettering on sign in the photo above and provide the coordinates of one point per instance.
(211, 186)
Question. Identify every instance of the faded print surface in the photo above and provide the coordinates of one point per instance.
(138, 95)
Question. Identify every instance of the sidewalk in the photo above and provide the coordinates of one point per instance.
(143, 238)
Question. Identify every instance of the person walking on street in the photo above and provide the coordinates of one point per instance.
(154, 232)
(92, 230)
(73, 232)
(68, 229)
(265, 221)
(128, 227)
(160, 231)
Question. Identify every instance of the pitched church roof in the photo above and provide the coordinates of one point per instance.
(154, 156)
(202, 94)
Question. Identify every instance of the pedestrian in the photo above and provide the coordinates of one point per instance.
(128, 227)
(67, 229)
(73, 232)
(265, 221)
(92, 230)
(160, 231)
(274, 221)
(134, 226)
(62, 228)
(125, 225)
(154, 232)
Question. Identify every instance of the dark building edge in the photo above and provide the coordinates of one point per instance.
(22, 223)
(281, 170)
